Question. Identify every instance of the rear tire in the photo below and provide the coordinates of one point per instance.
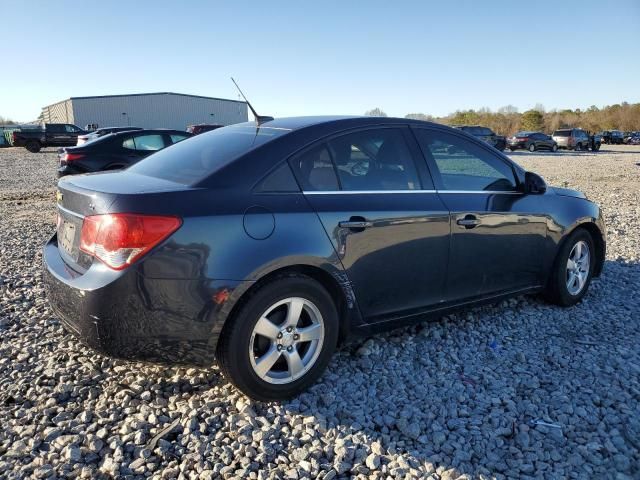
(578, 147)
(554, 148)
(33, 146)
(261, 350)
(565, 278)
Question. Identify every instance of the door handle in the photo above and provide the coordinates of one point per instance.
(468, 222)
(355, 223)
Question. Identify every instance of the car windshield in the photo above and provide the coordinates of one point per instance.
(562, 133)
(523, 134)
(192, 160)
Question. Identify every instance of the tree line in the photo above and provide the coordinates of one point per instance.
(507, 120)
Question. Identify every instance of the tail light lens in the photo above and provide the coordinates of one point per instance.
(119, 239)
(70, 157)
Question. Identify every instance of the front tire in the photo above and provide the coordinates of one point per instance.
(33, 146)
(532, 147)
(554, 148)
(572, 270)
(281, 339)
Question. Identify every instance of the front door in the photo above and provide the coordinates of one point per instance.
(497, 234)
(388, 226)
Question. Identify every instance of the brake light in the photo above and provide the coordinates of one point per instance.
(521, 139)
(119, 239)
(70, 157)
(13, 137)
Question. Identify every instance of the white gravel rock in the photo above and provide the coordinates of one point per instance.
(519, 389)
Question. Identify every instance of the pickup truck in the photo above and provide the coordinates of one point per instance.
(50, 135)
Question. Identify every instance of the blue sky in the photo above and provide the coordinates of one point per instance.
(342, 57)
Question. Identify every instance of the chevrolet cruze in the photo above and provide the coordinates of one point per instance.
(261, 246)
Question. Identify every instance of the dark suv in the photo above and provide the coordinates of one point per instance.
(485, 134)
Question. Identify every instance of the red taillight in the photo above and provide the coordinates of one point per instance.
(521, 139)
(70, 157)
(120, 239)
(13, 137)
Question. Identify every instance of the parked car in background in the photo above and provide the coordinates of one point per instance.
(101, 132)
(634, 139)
(262, 245)
(532, 141)
(572, 139)
(485, 134)
(116, 150)
(629, 135)
(49, 135)
(203, 127)
(612, 137)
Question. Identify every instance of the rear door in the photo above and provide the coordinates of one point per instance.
(57, 135)
(388, 226)
(497, 232)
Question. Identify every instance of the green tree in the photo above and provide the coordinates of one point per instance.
(532, 120)
(375, 112)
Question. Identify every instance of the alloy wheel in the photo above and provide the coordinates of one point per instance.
(286, 340)
(578, 267)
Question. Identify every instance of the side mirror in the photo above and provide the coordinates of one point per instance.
(534, 183)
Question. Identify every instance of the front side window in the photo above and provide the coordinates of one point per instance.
(463, 165)
(376, 159)
(71, 129)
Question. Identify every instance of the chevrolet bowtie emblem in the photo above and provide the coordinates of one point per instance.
(59, 196)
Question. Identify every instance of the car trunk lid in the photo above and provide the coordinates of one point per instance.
(94, 194)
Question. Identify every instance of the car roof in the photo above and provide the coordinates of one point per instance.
(297, 123)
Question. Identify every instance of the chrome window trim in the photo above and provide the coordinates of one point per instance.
(369, 192)
(365, 192)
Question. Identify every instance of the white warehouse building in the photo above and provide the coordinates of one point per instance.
(146, 110)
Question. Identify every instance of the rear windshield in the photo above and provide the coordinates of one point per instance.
(196, 158)
(562, 133)
(523, 134)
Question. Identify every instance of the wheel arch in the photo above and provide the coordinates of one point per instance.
(598, 241)
(333, 280)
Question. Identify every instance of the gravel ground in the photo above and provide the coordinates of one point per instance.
(519, 389)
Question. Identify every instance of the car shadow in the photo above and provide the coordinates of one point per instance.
(465, 392)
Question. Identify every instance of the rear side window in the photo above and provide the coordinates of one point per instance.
(562, 133)
(175, 138)
(315, 169)
(280, 180)
(144, 143)
(203, 155)
(376, 159)
(465, 166)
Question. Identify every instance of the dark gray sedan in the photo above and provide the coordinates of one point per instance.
(532, 141)
(263, 246)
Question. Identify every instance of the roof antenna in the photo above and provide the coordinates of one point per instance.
(259, 118)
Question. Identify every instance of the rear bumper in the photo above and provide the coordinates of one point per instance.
(127, 315)
(517, 145)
